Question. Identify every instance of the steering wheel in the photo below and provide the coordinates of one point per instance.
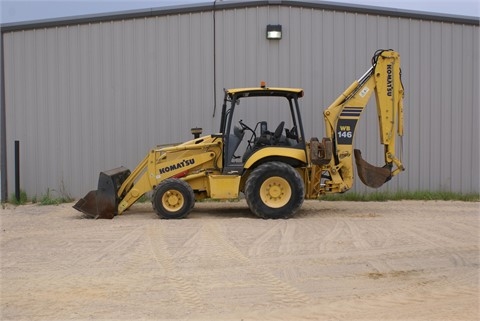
(252, 139)
(244, 126)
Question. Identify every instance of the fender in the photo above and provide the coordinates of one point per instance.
(288, 152)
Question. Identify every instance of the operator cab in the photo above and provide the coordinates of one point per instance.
(257, 118)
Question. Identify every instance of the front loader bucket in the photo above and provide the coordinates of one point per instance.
(103, 202)
(370, 175)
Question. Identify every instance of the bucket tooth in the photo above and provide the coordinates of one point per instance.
(370, 175)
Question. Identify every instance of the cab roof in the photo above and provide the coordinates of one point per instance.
(265, 91)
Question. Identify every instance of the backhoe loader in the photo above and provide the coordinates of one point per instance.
(274, 169)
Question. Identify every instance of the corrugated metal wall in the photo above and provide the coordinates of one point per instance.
(87, 98)
(90, 97)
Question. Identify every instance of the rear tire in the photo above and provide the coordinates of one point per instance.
(173, 199)
(274, 190)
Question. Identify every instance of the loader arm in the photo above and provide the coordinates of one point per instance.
(159, 165)
(118, 189)
(341, 117)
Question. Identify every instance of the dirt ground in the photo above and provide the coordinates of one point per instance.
(407, 260)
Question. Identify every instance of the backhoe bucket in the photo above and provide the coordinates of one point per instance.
(370, 175)
(103, 202)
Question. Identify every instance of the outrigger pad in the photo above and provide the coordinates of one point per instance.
(370, 175)
(103, 202)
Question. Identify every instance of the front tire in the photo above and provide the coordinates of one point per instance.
(274, 190)
(173, 199)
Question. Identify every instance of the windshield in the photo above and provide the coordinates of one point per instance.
(257, 122)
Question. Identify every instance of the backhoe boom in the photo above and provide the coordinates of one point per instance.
(341, 118)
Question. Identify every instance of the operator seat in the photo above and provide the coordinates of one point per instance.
(233, 142)
(278, 133)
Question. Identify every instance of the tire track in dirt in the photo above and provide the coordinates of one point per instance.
(436, 269)
(282, 291)
(287, 244)
(434, 237)
(358, 237)
(332, 236)
(117, 248)
(417, 261)
(185, 291)
(444, 295)
(257, 246)
(406, 252)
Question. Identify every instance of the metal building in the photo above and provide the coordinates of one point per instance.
(95, 92)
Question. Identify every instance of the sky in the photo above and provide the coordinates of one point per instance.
(13, 11)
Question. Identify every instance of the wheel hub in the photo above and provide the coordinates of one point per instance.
(275, 192)
(172, 200)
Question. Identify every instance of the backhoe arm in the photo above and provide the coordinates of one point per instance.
(341, 119)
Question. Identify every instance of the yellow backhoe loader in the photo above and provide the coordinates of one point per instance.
(275, 170)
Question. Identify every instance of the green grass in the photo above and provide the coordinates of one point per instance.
(49, 199)
(46, 199)
(23, 198)
(403, 195)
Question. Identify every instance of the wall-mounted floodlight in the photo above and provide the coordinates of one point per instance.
(274, 32)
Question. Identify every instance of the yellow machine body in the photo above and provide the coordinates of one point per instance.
(277, 170)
